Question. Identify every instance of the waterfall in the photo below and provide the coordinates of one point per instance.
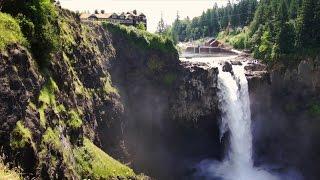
(235, 108)
(236, 118)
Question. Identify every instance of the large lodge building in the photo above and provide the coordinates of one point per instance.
(130, 18)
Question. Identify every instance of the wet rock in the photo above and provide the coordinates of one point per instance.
(227, 67)
(239, 63)
(255, 66)
(197, 93)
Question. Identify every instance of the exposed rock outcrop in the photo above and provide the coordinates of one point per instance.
(227, 67)
(196, 95)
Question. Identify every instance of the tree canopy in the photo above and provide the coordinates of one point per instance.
(215, 19)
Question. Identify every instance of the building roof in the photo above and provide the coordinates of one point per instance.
(211, 40)
(136, 14)
(215, 43)
(99, 16)
(103, 16)
(141, 14)
(128, 15)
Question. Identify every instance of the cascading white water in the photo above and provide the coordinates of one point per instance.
(236, 117)
(235, 108)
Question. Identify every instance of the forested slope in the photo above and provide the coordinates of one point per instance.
(274, 30)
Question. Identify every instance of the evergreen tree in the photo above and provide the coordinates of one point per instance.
(234, 17)
(317, 24)
(215, 19)
(161, 26)
(306, 25)
(209, 22)
(285, 31)
(215, 22)
(293, 10)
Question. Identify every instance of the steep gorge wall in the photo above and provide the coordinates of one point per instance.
(170, 108)
(285, 110)
(50, 116)
(120, 89)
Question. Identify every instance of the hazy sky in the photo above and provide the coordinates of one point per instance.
(151, 8)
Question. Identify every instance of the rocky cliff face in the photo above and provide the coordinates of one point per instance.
(50, 116)
(125, 92)
(286, 117)
(167, 107)
(111, 88)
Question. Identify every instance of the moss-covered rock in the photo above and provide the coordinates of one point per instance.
(20, 136)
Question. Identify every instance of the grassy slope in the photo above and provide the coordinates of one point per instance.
(10, 31)
(92, 162)
(7, 174)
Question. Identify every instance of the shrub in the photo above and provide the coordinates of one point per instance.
(52, 138)
(47, 98)
(10, 31)
(239, 39)
(7, 173)
(74, 121)
(27, 26)
(169, 79)
(141, 38)
(40, 16)
(141, 27)
(20, 136)
(108, 88)
(314, 110)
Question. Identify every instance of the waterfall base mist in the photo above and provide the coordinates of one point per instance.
(211, 169)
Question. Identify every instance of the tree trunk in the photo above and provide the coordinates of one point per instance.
(1, 2)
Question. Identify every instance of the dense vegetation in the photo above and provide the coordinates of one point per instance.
(38, 22)
(272, 29)
(142, 38)
(283, 28)
(10, 31)
(211, 21)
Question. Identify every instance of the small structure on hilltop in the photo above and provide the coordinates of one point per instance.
(216, 43)
(209, 42)
(211, 46)
(213, 43)
(132, 18)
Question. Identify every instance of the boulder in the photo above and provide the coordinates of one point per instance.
(227, 67)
